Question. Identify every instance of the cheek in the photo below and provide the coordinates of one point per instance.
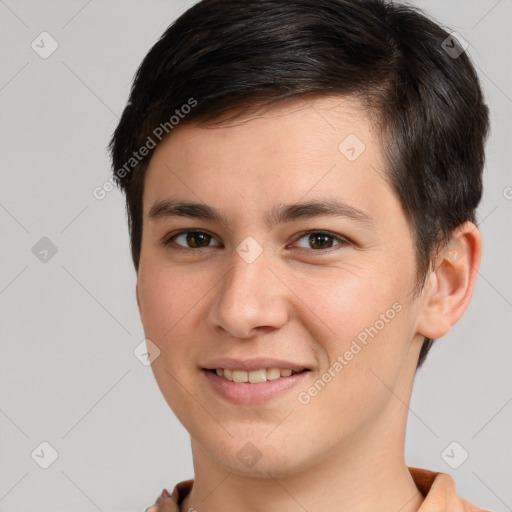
(364, 361)
(362, 322)
(365, 331)
(168, 300)
(344, 302)
(167, 305)
(166, 296)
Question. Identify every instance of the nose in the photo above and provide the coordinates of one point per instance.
(251, 298)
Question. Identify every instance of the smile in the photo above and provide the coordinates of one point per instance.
(253, 387)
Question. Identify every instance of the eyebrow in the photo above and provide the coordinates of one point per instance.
(168, 208)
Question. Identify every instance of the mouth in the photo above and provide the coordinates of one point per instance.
(254, 387)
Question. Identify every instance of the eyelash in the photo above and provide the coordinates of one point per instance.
(168, 239)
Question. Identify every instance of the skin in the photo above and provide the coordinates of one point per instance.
(344, 450)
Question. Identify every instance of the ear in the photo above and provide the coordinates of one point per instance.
(449, 285)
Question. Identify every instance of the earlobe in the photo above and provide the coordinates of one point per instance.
(450, 284)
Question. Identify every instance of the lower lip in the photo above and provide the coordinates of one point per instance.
(252, 393)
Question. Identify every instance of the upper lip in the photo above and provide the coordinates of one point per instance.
(250, 364)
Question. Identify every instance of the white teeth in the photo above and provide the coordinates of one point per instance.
(257, 376)
(240, 376)
(254, 376)
(273, 373)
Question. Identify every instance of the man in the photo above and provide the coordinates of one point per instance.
(301, 181)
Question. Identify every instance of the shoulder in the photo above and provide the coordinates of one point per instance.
(439, 491)
(170, 502)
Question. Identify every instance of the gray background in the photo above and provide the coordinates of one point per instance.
(69, 325)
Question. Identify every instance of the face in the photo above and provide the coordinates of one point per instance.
(277, 243)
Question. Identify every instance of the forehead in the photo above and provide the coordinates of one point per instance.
(313, 125)
(323, 146)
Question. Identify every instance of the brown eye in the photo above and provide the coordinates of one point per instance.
(197, 239)
(319, 240)
(191, 240)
